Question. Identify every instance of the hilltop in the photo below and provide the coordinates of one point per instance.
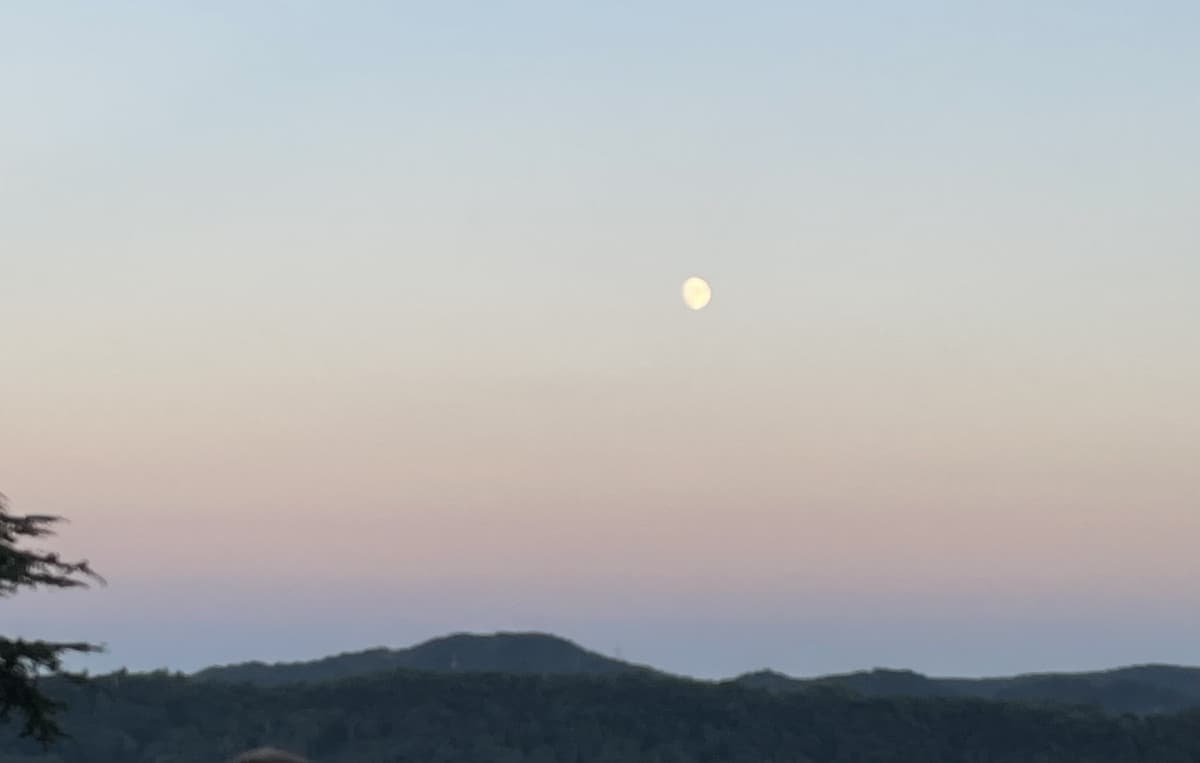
(515, 653)
(1143, 689)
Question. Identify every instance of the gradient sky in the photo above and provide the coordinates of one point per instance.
(333, 325)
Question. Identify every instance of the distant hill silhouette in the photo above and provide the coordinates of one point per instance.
(537, 698)
(1143, 689)
(406, 716)
(517, 653)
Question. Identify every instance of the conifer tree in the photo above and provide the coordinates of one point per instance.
(24, 663)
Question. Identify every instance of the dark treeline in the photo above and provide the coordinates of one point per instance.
(494, 718)
(1135, 689)
(1140, 689)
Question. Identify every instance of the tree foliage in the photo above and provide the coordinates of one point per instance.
(409, 717)
(23, 663)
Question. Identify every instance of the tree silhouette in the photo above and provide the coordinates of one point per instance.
(23, 663)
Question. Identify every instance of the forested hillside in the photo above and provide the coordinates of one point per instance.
(1141, 689)
(495, 653)
(493, 718)
(534, 697)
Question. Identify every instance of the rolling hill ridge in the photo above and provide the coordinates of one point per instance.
(517, 653)
(1142, 689)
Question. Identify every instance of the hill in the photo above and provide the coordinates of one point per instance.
(1142, 689)
(406, 717)
(1139, 689)
(516, 653)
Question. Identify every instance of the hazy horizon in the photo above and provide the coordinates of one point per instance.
(618, 654)
(331, 327)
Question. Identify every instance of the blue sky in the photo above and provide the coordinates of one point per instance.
(309, 307)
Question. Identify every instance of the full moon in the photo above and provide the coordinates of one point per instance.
(696, 292)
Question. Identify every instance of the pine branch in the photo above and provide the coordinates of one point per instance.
(23, 663)
(21, 568)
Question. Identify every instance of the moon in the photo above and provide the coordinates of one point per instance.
(696, 293)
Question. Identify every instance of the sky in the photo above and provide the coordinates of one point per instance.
(329, 326)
